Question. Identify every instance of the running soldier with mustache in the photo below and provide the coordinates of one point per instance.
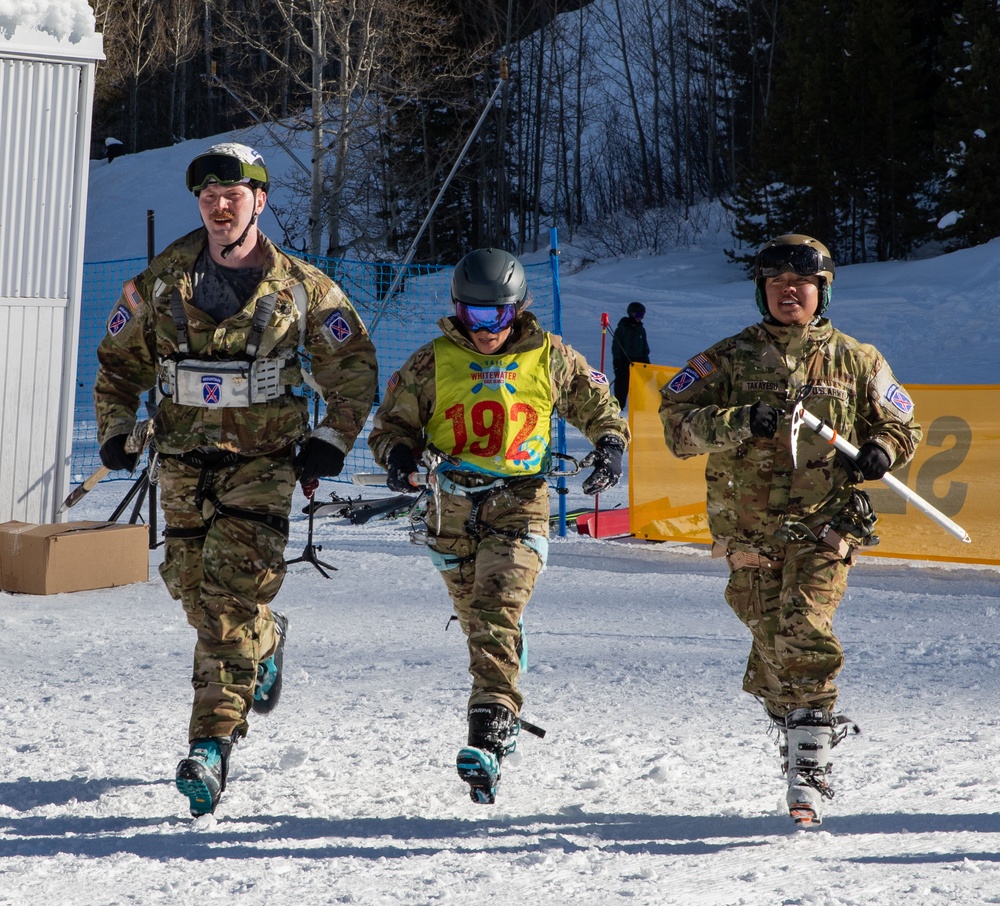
(215, 323)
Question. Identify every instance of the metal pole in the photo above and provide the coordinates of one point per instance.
(151, 397)
(605, 323)
(215, 80)
(561, 489)
(444, 187)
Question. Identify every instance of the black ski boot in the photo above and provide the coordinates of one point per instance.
(202, 775)
(492, 736)
(268, 686)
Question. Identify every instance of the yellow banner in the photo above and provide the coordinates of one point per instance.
(956, 469)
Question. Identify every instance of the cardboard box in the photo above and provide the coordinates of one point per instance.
(71, 556)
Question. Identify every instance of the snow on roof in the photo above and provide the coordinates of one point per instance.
(65, 20)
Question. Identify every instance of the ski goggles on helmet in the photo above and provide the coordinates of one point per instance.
(804, 260)
(493, 318)
(222, 169)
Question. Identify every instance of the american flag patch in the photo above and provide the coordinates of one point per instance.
(897, 396)
(682, 380)
(702, 366)
(119, 318)
(131, 295)
(393, 381)
(598, 378)
(338, 326)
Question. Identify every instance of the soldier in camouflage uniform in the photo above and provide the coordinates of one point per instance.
(484, 393)
(790, 534)
(215, 323)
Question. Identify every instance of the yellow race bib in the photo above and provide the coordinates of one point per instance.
(493, 412)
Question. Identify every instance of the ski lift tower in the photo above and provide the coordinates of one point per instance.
(46, 100)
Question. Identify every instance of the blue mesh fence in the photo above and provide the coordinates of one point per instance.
(399, 322)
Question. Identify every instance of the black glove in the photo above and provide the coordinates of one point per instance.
(318, 459)
(400, 464)
(872, 461)
(114, 457)
(764, 419)
(607, 465)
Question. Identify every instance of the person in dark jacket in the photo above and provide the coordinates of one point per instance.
(629, 344)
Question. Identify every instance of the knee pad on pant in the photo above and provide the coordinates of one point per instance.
(540, 545)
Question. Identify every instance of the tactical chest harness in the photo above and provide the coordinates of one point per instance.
(212, 383)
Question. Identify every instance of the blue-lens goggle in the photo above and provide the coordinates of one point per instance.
(493, 318)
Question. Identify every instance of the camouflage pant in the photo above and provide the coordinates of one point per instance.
(795, 656)
(490, 577)
(225, 580)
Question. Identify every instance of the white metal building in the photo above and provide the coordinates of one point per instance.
(46, 99)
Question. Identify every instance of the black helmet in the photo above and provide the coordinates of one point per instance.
(635, 308)
(228, 164)
(489, 277)
(799, 254)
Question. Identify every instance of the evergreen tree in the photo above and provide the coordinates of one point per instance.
(970, 124)
(793, 178)
(843, 148)
(886, 146)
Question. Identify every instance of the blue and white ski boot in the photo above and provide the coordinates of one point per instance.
(493, 733)
(202, 775)
(267, 689)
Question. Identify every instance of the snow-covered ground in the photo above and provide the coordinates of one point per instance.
(657, 782)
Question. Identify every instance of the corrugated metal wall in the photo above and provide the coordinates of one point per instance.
(45, 108)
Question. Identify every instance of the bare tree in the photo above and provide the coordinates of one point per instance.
(131, 49)
(350, 62)
(180, 37)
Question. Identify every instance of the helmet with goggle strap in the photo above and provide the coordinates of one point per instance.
(800, 254)
(230, 164)
(487, 287)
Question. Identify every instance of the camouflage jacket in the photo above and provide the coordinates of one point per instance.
(579, 393)
(141, 334)
(754, 493)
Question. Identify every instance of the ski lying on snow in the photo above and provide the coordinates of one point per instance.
(359, 510)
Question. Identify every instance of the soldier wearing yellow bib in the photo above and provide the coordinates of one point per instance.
(484, 394)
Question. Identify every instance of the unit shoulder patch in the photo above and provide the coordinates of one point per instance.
(683, 379)
(897, 397)
(119, 319)
(338, 327)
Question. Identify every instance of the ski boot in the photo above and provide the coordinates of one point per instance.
(492, 736)
(202, 775)
(268, 686)
(809, 736)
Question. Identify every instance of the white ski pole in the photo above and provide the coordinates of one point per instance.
(417, 479)
(800, 416)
